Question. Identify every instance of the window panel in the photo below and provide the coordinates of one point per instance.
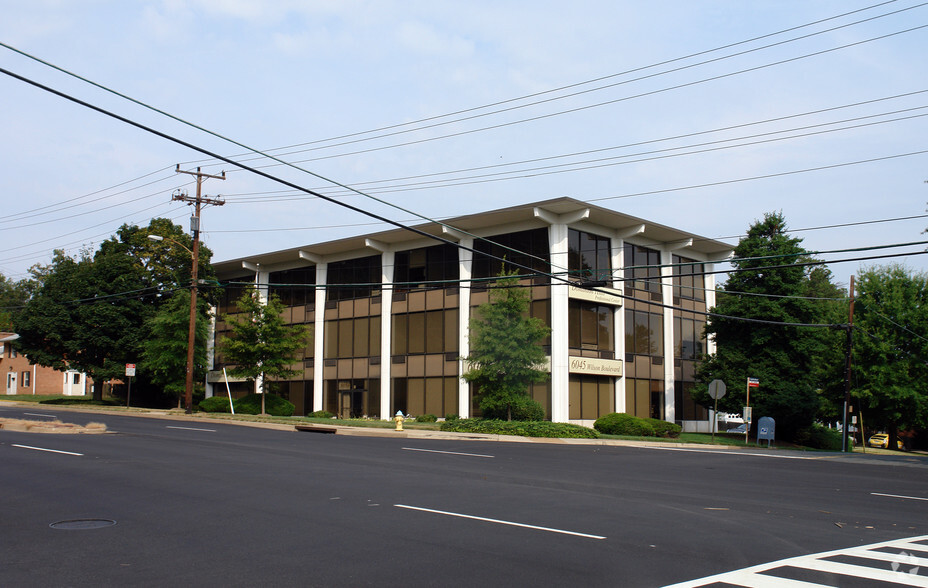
(416, 334)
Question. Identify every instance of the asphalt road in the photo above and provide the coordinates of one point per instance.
(212, 504)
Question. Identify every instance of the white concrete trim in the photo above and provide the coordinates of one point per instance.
(387, 267)
(667, 295)
(322, 270)
(465, 268)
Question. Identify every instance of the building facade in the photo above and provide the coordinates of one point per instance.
(389, 313)
(21, 376)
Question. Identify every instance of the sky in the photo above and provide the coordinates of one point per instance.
(703, 116)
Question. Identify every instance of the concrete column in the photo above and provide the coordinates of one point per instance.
(560, 374)
(466, 271)
(618, 265)
(387, 259)
(667, 296)
(319, 336)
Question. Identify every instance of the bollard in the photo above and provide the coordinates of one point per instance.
(399, 420)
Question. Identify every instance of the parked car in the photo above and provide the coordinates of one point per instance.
(882, 440)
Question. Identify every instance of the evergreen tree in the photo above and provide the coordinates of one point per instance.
(164, 354)
(505, 351)
(768, 286)
(262, 345)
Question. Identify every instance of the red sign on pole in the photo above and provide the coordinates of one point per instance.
(753, 383)
(130, 369)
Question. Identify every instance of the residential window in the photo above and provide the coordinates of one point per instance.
(76, 378)
(26, 379)
(589, 257)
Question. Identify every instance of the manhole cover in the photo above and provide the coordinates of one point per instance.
(81, 524)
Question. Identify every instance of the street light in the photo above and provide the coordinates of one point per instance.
(191, 335)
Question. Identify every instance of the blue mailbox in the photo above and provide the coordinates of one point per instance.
(765, 430)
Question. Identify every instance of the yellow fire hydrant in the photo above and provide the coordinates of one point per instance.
(399, 418)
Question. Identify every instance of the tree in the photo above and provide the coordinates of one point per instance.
(89, 312)
(13, 296)
(505, 350)
(262, 345)
(768, 285)
(164, 352)
(890, 353)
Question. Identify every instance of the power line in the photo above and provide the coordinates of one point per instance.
(583, 83)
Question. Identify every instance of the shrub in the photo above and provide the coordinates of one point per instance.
(619, 423)
(522, 428)
(273, 405)
(215, 404)
(523, 408)
(665, 428)
(321, 414)
(426, 418)
(819, 437)
(451, 417)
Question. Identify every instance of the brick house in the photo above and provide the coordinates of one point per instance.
(21, 376)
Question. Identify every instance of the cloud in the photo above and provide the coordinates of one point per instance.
(423, 38)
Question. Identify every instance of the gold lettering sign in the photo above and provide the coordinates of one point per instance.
(600, 295)
(597, 367)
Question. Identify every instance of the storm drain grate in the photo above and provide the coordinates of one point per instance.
(82, 524)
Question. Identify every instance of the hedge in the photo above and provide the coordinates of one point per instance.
(273, 405)
(618, 423)
(215, 404)
(522, 428)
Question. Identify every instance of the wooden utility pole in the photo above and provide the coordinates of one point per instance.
(198, 202)
(847, 369)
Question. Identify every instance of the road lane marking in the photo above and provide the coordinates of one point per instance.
(192, 429)
(720, 451)
(43, 449)
(510, 523)
(48, 416)
(448, 452)
(898, 496)
(900, 568)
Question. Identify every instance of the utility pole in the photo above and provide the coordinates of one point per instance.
(847, 369)
(198, 202)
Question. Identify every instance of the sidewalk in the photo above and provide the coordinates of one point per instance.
(411, 433)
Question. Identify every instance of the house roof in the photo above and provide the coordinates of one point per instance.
(484, 224)
(4, 337)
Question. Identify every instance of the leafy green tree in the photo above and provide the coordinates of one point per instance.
(768, 286)
(90, 312)
(164, 352)
(890, 353)
(13, 296)
(505, 348)
(262, 345)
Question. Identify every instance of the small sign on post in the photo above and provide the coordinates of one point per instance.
(130, 371)
(716, 391)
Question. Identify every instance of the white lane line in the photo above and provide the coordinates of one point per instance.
(723, 452)
(192, 429)
(898, 496)
(43, 449)
(48, 416)
(448, 452)
(510, 523)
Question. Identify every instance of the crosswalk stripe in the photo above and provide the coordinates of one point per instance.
(898, 568)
